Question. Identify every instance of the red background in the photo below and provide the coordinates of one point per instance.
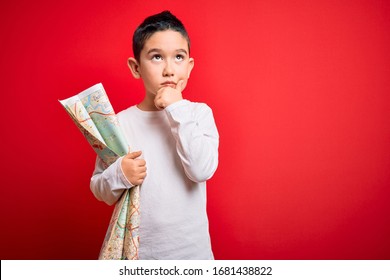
(300, 93)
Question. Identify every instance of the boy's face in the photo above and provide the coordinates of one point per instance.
(164, 61)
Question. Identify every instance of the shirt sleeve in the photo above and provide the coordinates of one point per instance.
(108, 184)
(197, 138)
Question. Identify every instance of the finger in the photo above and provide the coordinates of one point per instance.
(158, 104)
(180, 85)
(140, 178)
(134, 155)
(137, 182)
(142, 169)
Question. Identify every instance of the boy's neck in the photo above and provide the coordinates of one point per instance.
(147, 105)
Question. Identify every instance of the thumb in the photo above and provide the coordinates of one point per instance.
(180, 85)
(134, 155)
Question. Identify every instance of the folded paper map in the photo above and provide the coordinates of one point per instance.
(93, 114)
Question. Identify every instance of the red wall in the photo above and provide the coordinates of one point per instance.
(300, 92)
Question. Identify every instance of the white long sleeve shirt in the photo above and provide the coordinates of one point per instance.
(180, 147)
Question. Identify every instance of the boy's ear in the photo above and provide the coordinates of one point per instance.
(134, 67)
(190, 66)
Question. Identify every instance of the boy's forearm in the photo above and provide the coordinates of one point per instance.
(108, 184)
(197, 139)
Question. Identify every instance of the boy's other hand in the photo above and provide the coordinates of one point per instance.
(134, 168)
(167, 95)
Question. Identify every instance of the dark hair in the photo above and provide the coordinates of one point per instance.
(159, 22)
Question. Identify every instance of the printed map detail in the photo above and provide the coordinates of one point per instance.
(94, 115)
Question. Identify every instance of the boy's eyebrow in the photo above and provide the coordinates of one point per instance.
(154, 50)
(182, 50)
(160, 50)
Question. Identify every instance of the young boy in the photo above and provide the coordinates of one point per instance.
(174, 147)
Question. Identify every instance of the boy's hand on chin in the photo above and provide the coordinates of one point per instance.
(167, 95)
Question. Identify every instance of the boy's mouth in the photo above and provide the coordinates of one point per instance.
(169, 84)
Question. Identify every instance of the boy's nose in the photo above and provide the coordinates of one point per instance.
(168, 70)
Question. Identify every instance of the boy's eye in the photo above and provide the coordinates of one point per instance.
(157, 57)
(179, 57)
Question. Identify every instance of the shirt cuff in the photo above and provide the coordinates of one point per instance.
(177, 104)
